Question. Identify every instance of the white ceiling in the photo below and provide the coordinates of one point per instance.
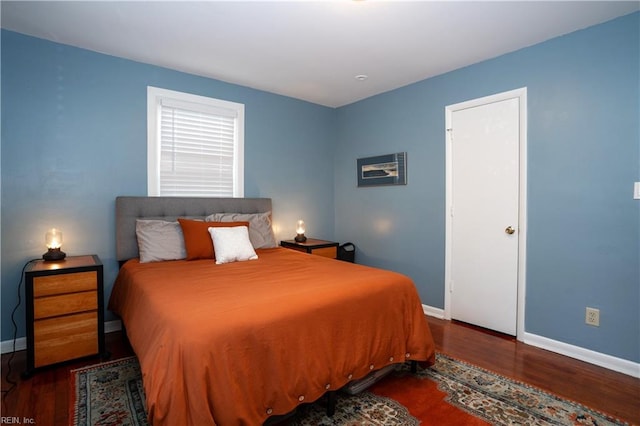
(310, 50)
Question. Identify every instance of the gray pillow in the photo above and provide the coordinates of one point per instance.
(159, 240)
(260, 230)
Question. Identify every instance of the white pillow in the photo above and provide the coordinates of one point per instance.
(159, 240)
(260, 230)
(232, 244)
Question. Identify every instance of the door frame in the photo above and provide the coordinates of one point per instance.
(521, 95)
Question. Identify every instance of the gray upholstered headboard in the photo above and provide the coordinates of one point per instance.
(128, 209)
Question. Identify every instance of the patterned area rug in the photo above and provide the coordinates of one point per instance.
(503, 401)
(111, 394)
(108, 394)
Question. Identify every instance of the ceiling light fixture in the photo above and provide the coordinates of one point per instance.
(361, 77)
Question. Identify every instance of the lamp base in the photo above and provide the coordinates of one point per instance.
(300, 238)
(54, 254)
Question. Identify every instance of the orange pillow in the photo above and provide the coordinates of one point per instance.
(197, 240)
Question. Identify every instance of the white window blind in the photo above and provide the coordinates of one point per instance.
(197, 147)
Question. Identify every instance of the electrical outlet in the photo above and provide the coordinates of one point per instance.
(592, 317)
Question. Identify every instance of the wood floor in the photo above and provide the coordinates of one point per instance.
(44, 398)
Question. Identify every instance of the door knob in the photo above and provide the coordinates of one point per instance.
(509, 230)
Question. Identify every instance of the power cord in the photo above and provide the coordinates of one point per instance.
(15, 334)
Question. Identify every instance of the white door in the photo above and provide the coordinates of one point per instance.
(483, 222)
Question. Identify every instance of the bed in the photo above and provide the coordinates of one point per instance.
(236, 343)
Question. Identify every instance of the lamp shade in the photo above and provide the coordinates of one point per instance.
(300, 230)
(53, 238)
(53, 241)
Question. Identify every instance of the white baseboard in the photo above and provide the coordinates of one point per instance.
(603, 360)
(111, 326)
(7, 345)
(433, 312)
(620, 365)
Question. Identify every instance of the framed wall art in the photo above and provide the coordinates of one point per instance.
(390, 169)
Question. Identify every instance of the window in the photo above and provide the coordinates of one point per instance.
(195, 145)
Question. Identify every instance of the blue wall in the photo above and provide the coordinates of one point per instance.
(74, 137)
(583, 157)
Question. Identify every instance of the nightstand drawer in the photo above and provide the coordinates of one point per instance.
(331, 252)
(314, 246)
(64, 283)
(64, 338)
(51, 306)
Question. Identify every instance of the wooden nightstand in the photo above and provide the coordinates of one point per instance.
(318, 247)
(64, 309)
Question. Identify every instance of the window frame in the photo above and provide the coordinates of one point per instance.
(155, 95)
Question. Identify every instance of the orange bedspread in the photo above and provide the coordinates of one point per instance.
(235, 343)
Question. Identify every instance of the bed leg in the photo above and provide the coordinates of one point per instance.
(331, 403)
(414, 367)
